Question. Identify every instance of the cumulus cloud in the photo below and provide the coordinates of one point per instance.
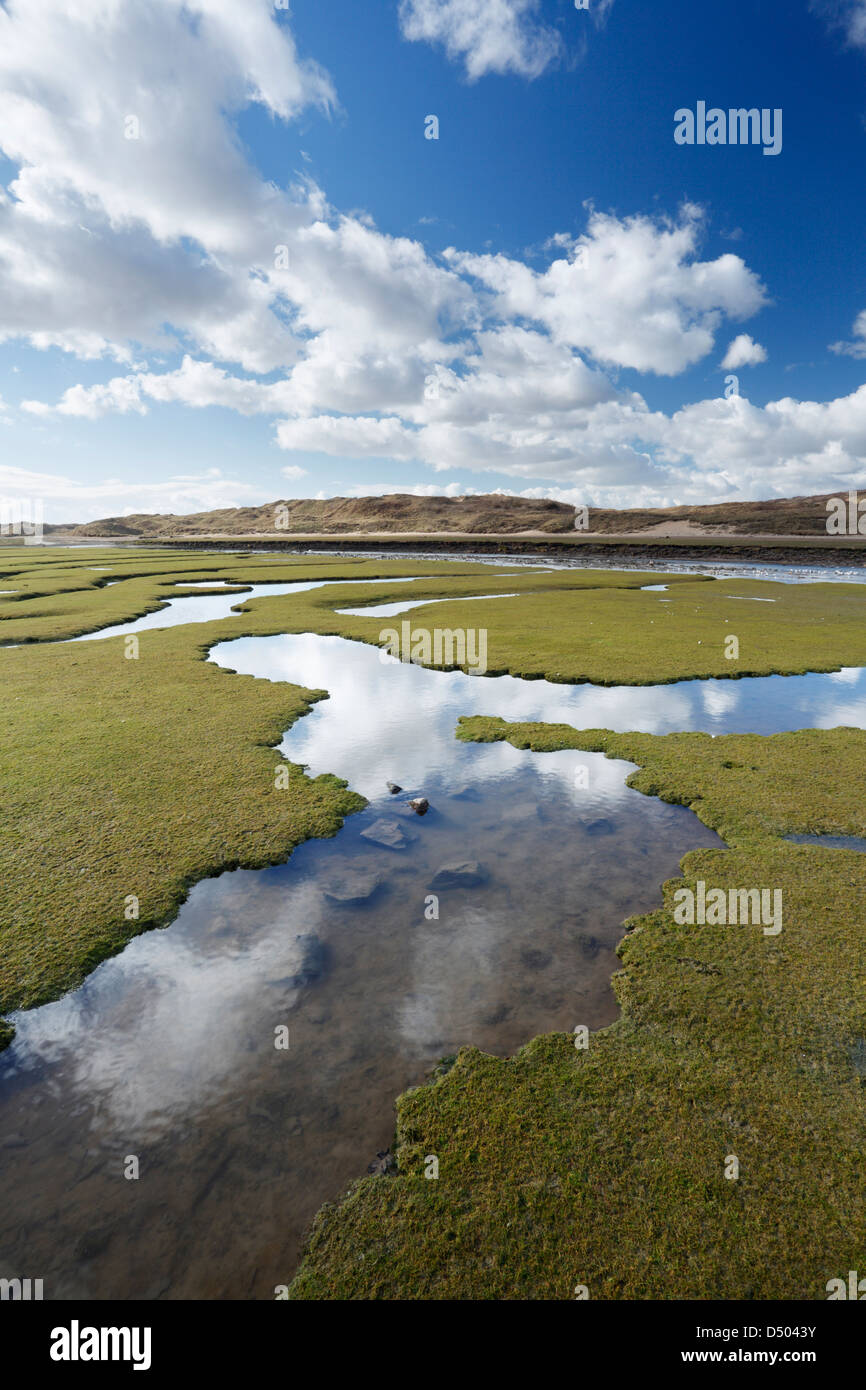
(857, 348)
(356, 343)
(487, 36)
(193, 383)
(631, 292)
(134, 206)
(743, 352)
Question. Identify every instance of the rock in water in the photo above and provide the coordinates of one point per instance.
(393, 788)
(468, 874)
(352, 886)
(589, 945)
(600, 827)
(420, 805)
(386, 832)
(535, 959)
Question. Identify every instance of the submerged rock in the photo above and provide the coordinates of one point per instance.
(590, 945)
(420, 805)
(468, 874)
(386, 832)
(352, 886)
(497, 1015)
(534, 959)
(600, 827)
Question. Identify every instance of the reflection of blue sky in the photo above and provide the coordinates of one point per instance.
(385, 716)
(179, 611)
(164, 1025)
(390, 610)
(183, 1016)
(176, 1020)
(213, 607)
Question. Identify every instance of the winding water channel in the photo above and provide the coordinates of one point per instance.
(167, 1051)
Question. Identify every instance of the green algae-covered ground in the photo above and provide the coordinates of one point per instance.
(605, 1170)
(559, 1168)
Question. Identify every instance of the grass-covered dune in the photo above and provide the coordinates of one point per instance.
(611, 1169)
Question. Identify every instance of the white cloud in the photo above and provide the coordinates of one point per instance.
(488, 36)
(105, 239)
(858, 347)
(67, 499)
(344, 435)
(409, 489)
(743, 352)
(391, 332)
(850, 14)
(293, 470)
(631, 292)
(357, 344)
(194, 383)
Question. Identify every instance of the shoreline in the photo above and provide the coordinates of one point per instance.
(814, 550)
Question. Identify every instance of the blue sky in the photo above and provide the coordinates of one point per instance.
(541, 300)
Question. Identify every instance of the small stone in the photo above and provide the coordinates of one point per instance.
(351, 887)
(468, 874)
(393, 788)
(386, 832)
(420, 805)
